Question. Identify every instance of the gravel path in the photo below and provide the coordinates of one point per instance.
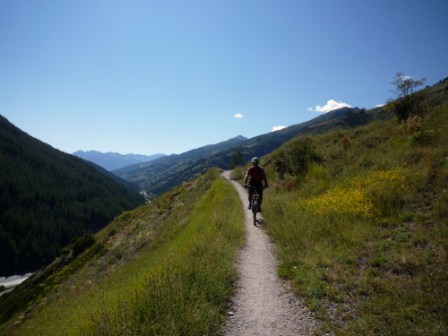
(263, 304)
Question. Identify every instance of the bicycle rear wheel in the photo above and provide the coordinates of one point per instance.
(255, 209)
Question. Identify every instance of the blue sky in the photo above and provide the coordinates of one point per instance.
(142, 76)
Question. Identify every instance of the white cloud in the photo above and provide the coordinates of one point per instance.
(379, 105)
(238, 116)
(331, 105)
(278, 128)
(310, 109)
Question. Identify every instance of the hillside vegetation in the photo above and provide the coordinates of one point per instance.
(360, 218)
(166, 268)
(47, 198)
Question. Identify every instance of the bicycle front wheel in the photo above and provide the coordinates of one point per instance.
(255, 210)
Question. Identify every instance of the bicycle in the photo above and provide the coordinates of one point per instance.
(255, 203)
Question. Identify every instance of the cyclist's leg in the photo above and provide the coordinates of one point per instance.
(251, 192)
(259, 189)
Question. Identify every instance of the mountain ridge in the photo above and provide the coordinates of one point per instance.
(113, 160)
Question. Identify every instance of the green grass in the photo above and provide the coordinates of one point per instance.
(168, 269)
(362, 235)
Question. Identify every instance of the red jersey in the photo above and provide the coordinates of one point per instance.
(256, 174)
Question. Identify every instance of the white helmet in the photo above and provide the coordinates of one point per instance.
(255, 159)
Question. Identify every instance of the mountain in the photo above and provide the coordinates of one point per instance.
(112, 161)
(337, 119)
(48, 197)
(156, 177)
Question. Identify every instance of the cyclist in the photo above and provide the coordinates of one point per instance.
(255, 176)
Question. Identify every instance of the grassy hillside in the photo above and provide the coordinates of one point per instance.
(360, 218)
(166, 268)
(48, 197)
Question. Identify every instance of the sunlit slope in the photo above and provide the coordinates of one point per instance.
(360, 217)
(165, 268)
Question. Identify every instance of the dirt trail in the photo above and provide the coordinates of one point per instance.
(263, 304)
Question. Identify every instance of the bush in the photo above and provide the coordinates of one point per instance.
(339, 201)
(296, 158)
(423, 137)
(387, 189)
(417, 134)
(380, 193)
(80, 244)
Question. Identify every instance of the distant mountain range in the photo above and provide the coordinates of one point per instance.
(155, 177)
(48, 197)
(112, 161)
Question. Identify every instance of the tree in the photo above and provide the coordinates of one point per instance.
(408, 102)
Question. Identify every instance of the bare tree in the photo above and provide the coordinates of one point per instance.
(408, 101)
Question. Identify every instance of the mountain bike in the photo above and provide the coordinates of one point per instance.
(255, 203)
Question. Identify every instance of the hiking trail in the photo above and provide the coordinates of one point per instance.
(263, 304)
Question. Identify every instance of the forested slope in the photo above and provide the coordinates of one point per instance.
(47, 198)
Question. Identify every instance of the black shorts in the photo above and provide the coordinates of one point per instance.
(258, 187)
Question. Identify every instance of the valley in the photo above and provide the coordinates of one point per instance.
(356, 216)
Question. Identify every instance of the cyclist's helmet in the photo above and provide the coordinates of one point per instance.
(255, 159)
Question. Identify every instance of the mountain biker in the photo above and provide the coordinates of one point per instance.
(255, 176)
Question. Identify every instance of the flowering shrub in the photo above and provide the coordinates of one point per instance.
(340, 201)
(395, 178)
(388, 189)
(380, 193)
